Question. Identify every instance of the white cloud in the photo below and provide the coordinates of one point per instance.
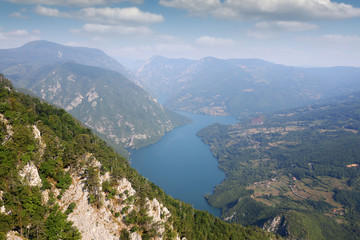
(270, 29)
(212, 41)
(17, 15)
(168, 38)
(112, 30)
(334, 39)
(286, 10)
(115, 15)
(193, 6)
(15, 38)
(14, 34)
(285, 26)
(104, 15)
(82, 3)
(36, 31)
(260, 34)
(342, 39)
(50, 12)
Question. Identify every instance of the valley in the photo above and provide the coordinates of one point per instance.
(291, 152)
(179, 120)
(181, 164)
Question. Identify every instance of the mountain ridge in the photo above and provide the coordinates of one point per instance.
(241, 86)
(46, 52)
(103, 99)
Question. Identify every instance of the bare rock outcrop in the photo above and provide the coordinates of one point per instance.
(37, 136)
(13, 235)
(2, 208)
(9, 129)
(93, 223)
(29, 175)
(278, 224)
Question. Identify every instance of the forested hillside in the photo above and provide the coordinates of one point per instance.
(60, 181)
(295, 173)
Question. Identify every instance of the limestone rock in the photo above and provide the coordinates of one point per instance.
(29, 175)
(124, 185)
(104, 221)
(9, 129)
(45, 196)
(278, 224)
(92, 223)
(13, 235)
(37, 136)
(157, 211)
(135, 236)
(2, 208)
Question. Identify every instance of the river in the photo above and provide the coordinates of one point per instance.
(181, 164)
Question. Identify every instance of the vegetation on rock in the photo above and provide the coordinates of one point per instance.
(67, 156)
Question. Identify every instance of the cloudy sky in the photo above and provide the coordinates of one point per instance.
(290, 32)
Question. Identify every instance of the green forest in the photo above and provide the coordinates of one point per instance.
(298, 166)
(66, 143)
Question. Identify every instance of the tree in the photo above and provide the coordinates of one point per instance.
(57, 226)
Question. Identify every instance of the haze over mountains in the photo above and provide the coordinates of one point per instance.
(109, 99)
(38, 53)
(91, 86)
(237, 86)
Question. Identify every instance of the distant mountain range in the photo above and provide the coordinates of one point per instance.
(39, 53)
(93, 87)
(238, 86)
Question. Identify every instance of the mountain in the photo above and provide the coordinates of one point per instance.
(104, 100)
(39, 53)
(159, 75)
(59, 181)
(239, 86)
(295, 172)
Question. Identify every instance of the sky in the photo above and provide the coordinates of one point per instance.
(289, 32)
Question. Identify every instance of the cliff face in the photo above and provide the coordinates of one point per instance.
(67, 178)
(59, 181)
(103, 222)
(97, 222)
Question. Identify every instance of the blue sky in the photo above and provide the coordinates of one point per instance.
(290, 32)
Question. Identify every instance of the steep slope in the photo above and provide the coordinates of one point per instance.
(59, 181)
(295, 172)
(102, 99)
(238, 86)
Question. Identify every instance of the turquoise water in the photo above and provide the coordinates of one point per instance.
(182, 164)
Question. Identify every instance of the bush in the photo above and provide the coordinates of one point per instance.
(70, 208)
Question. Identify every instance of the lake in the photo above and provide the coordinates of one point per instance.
(181, 164)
